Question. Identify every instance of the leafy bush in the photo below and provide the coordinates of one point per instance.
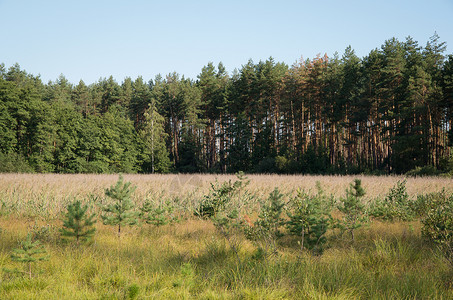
(438, 223)
(219, 208)
(395, 206)
(220, 196)
(425, 202)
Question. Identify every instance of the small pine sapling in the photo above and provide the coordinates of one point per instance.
(354, 214)
(28, 253)
(270, 219)
(77, 223)
(159, 215)
(309, 219)
(121, 211)
(266, 229)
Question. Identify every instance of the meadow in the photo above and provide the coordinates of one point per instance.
(194, 255)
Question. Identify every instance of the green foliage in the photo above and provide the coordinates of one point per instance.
(309, 219)
(133, 291)
(158, 215)
(29, 252)
(77, 223)
(438, 223)
(218, 206)
(154, 137)
(425, 202)
(424, 171)
(220, 196)
(266, 229)
(354, 214)
(45, 233)
(121, 211)
(395, 206)
(14, 163)
(270, 218)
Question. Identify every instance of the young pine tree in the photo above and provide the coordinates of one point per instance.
(266, 229)
(28, 253)
(157, 215)
(121, 211)
(78, 223)
(309, 219)
(352, 208)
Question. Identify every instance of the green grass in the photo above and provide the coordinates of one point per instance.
(190, 261)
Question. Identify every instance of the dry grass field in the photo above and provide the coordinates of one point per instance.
(192, 260)
(50, 192)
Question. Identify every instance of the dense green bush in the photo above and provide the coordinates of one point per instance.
(438, 223)
(14, 163)
(424, 171)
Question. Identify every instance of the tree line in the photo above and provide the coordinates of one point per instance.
(388, 112)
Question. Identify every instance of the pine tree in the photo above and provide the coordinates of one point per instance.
(120, 212)
(309, 219)
(154, 136)
(352, 208)
(29, 252)
(158, 214)
(78, 223)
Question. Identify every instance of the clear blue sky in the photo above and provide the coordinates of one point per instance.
(93, 39)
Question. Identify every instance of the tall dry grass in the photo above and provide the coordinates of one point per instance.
(48, 194)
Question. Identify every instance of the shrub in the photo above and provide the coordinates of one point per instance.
(437, 225)
(216, 200)
(395, 206)
(424, 171)
(218, 207)
(425, 202)
(158, 215)
(220, 196)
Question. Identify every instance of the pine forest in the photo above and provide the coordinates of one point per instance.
(389, 112)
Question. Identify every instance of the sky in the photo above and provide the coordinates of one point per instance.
(90, 40)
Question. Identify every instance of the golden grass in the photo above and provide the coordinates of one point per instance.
(48, 194)
(65, 185)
